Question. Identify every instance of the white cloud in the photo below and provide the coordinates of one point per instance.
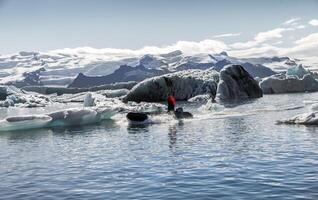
(292, 21)
(263, 50)
(300, 26)
(187, 47)
(313, 22)
(268, 43)
(304, 47)
(309, 39)
(261, 38)
(227, 35)
(268, 35)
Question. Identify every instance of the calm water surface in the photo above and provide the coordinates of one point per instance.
(230, 153)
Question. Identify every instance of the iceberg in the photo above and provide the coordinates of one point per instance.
(3, 93)
(236, 83)
(12, 96)
(298, 70)
(63, 118)
(303, 119)
(289, 84)
(24, 122)
(295, 79)
(183, 85)
(89, 100)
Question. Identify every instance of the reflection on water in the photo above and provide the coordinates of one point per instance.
(138, 128)
(26, 134)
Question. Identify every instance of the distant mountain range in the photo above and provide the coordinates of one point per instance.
(125, 73)
(86, 70)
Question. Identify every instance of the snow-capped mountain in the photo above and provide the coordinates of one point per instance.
(61, 68)
(123, 74)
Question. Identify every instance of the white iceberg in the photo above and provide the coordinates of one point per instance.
(303, 119)
(12, 96)
(63, 118)
(296, 79)
(89, 100)
(289, 84)
(24, 122)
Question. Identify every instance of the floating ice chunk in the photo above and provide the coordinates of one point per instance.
(304, 119)
(114, 93)
(63, 118)
(211, 106)
(16, 97)
(200, 98)
(25, 122)
(89, 100)
(74, 116)
(145, 107)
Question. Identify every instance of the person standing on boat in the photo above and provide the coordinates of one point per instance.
(171, 103)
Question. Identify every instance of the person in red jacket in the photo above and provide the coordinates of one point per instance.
(171, 103)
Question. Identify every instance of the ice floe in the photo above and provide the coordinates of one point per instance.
(63, 118)
(12, 96)
(303, 119)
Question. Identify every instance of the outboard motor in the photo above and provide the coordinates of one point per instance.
(179, 114)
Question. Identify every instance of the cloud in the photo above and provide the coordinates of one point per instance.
(267, 43)
(304, 47)
(263, 50)
(300, 26)
(313, 22)
(271, 34)
(227, 35)
(187, 47)
(292, 21)
(261, 38)
(309, 39)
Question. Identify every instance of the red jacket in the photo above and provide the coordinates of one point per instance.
(171, 100)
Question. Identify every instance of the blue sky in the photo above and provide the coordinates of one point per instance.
(42, 25)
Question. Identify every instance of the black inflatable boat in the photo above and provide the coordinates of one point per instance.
(137, 118)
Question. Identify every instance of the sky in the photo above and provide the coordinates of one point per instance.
(243, 28)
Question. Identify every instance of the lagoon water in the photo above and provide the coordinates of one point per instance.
(231, 152)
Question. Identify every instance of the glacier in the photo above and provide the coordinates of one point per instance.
(61, 67)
